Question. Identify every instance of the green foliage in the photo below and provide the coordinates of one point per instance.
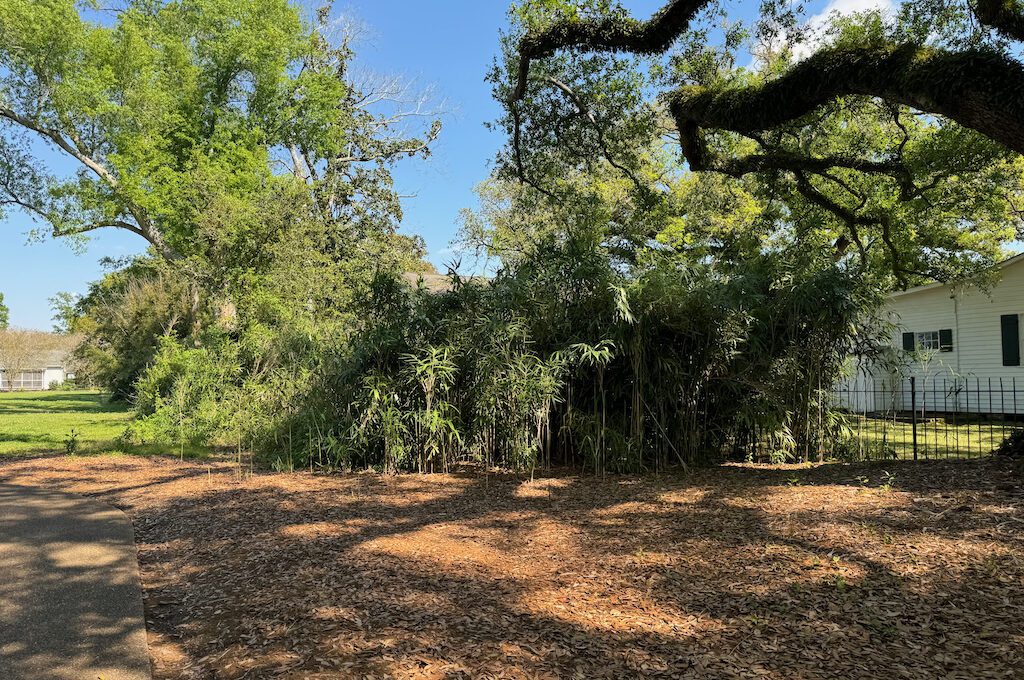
(123, 317)
(166, 99)
(1012, 446)
(180, 117)
(905, 196)
(65, 312)
(564, 359)
(233, 130)
(179, 398)
(615, 337)
(72, 443)
(641, 316)
(5, 313)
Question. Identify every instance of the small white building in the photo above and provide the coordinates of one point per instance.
(48, 370)
(960, 343)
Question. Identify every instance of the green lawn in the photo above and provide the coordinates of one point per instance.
(33, 423)
(876, 438)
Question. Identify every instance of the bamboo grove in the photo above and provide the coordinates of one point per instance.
(562, 361)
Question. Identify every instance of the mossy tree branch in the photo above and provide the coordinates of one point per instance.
(1005, 16)
(978, 89)
(617, 34)
(981, 89)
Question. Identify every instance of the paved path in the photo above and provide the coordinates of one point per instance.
(70, 598)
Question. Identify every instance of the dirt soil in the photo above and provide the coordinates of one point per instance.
(902, 571)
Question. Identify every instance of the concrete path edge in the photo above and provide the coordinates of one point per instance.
(70, 591)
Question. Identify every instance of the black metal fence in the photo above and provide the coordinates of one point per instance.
(925, 417)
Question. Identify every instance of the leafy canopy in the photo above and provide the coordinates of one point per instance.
(179, 115)
(831, 152)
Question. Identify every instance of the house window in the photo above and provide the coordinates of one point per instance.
(927, 340)
(26, 380)
(946, 340)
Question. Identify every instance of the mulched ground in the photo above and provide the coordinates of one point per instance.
(736, 572)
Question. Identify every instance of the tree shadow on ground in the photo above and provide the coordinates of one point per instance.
(70, 599)
(728, 571)
(951, 475)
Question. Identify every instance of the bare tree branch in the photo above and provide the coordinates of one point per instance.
(76, 149)
(58, 139)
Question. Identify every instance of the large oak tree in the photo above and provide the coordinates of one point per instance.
(980, 87)
(903, 129)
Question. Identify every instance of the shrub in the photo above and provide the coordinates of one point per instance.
(71, 443)
(180, 398)
(563, 359)
(1012, 446)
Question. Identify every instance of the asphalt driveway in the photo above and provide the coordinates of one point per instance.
(70, 596)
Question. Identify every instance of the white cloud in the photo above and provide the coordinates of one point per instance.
(851, 6)
(815, 26)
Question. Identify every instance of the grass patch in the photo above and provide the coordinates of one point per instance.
(41, 423)
(937, 437)
(35, 423)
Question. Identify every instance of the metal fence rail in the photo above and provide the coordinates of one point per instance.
(925, 418)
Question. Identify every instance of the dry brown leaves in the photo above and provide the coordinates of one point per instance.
(732, 573)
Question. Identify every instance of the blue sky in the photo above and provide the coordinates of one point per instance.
(446, 45)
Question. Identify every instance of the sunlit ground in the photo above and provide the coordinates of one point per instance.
(899, 569)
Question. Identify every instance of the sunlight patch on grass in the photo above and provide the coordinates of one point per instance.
(37, 423)
(42, 423)
(876, 438)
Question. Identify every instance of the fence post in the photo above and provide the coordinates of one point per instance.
(913, 412)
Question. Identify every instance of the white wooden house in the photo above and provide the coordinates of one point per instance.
(960, 343)
(46, 371)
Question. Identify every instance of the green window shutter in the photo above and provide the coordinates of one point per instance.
(908, 342)
(1009, 326)
(946, 340)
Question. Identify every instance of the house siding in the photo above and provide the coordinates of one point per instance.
(974, 316)
(53, 376)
